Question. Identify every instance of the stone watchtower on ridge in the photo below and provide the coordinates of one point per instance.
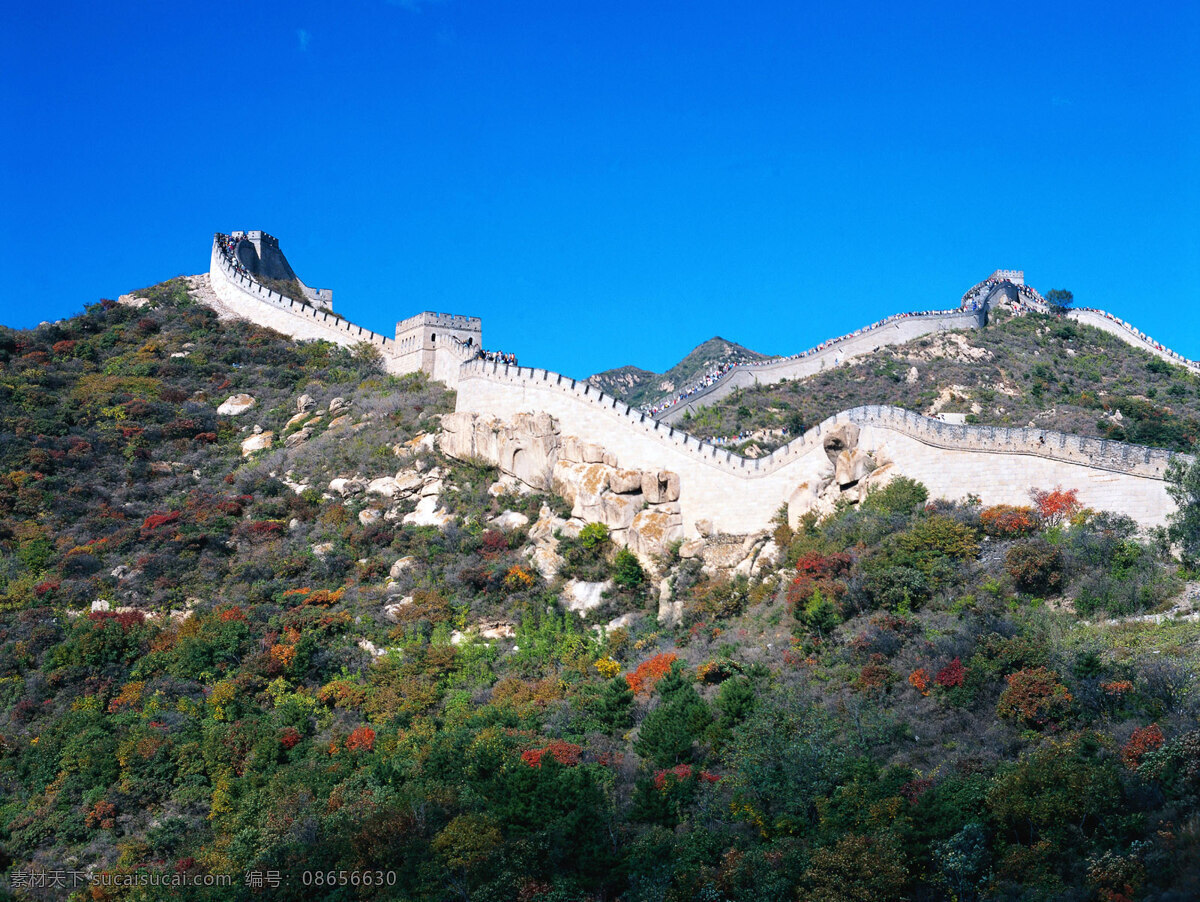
(439, 341)
(260, 255)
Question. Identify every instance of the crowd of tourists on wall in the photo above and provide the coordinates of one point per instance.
(1028, 294)
(717, 374)
(1183, 361)
(229, 245)
(496, 357)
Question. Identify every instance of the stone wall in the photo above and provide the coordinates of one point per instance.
(739, 495)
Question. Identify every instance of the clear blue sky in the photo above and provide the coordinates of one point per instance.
(610, 183)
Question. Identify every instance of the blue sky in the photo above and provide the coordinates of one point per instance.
(610, 183)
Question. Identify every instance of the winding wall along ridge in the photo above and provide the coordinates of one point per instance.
(907, 328)
(894, 330)
(1000, 464)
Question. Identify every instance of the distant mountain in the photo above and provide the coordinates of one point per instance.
(637, 386)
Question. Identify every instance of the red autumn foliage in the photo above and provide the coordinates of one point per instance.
(1008, 520)
(158, 521)
(680, 773)
(47, 586)
(495, 543)
(289, 737)
(1143, 740)
(819, 571)
(919, 680)
(233, 613)
(103, 815)
(1056, 505)
(951, 675)
(127, 620)
(1036, 696)
(258, 531)
(362, 739)
(649, 672)
(565, 753)
(914, 789)
(66, 346)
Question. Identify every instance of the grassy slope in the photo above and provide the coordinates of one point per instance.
(1020, 371)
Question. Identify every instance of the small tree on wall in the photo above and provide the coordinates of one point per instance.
(1060, 299)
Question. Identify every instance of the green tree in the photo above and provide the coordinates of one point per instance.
(615, 703)
(1183, 526)
(1060, 299)
(900, 496)
(627, 570)
(820, 614)
(667, 733)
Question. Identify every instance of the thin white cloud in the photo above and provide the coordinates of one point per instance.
(303, 37)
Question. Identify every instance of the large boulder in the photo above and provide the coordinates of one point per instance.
(235, 404)
(384, 485)
(509, 520)
(840, 437)
(582, 597)
(652, 531)
(851, 466)
(259, 442)
(661, 486)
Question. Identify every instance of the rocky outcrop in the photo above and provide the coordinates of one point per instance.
(640, 507)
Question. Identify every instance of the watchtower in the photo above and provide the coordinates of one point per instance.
(1016, 276)
(439, 334)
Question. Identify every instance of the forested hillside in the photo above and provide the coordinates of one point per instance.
(335, 662)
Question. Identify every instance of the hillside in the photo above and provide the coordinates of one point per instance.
(1020, 371)
(289, 637)
(638, 387)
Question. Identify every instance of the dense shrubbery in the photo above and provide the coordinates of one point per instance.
(898, 714)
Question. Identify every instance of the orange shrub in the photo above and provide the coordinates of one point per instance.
(565, 753)
(517, 578)
(919, 680)
(284, 655)
(1008, 520)
(1143, 740)
(1056, 505)
(649, 672)
(1035, 696)
(362, 739)
(325, 598)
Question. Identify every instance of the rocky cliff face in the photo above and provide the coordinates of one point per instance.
(640, 507)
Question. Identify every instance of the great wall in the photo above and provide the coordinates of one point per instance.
(702, 489)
